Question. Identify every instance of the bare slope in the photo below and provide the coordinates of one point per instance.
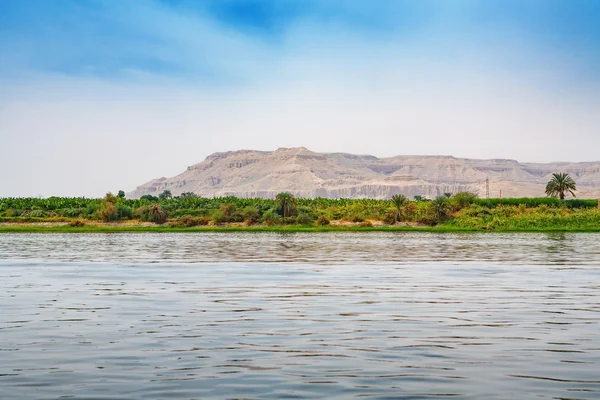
(250, 173)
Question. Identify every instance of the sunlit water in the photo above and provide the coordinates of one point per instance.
(276, 316)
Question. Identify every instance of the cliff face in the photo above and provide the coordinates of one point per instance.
(249, 173)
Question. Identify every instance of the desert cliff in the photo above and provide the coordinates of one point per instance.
(250, 173)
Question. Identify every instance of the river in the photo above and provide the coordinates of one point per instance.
(299, 316)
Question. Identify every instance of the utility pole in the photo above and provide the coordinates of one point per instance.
(487, 188)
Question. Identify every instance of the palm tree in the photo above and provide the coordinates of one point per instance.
(158, 214)
(440, 208)
(560, 184)
(399, 200)
(287, 203)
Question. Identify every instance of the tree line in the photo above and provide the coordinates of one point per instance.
(189, 209)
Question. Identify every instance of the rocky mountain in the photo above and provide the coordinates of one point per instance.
(250, 173)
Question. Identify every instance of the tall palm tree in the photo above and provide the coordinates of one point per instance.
(287, 203)
(560, 184)
(440, 208)
(399, 200)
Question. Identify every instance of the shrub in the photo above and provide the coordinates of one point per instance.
(529, 202)
(217, 217)
(580, 203)
(11, 212)
(251, 215)
(142, 213)
(124, 212)
(290, 220)
(186, 220)
(390, 217)
(463, 199)
(189, 221)
(230, 213)
(304, 219)
(91, 208)
(36, 214)
(271, 217)
(322, 221)
(478, 211)
(157, 214)
(77, 223)
(107, 212)
(354, 218)
(110, 198)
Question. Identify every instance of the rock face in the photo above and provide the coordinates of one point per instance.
(250, 173)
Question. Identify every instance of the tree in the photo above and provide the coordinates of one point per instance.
(399, 200)
(107, 210)
(158, 214)
(121, 194)
(561, 184)
(188, 195)
(149, 198)
(166, 194)
(110, 198)
(229, 212)
(251, 215)
(440, 208)
(287, 204)
(464, 199)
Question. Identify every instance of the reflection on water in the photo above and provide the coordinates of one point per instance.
(315, 248)
(271, 316)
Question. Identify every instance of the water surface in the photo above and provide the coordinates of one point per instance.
(306, 315)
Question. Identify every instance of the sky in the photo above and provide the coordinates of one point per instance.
(103, 95)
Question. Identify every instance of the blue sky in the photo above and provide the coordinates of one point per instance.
(133, 90)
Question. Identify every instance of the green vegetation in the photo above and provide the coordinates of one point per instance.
(441, 208)
(561, 184)
(287, 204)
(459, 212)
(399, 201)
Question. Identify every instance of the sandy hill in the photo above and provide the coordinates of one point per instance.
(250, 173)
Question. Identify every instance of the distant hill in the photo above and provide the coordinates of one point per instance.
(251, 173)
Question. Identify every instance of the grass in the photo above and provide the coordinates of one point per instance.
(444, 228)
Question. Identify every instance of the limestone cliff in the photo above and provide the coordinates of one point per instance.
(250, 173)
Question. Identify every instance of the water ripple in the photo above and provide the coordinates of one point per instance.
(335, 316)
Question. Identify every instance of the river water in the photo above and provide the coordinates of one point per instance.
(299, 316)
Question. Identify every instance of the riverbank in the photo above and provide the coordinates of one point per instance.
(61, 227)
(462, 212)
